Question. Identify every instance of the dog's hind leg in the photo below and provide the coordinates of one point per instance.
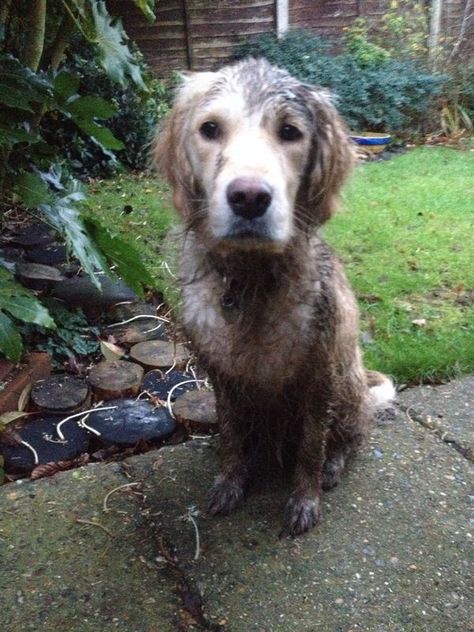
(348, 431)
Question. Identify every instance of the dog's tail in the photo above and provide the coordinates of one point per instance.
(382, 389)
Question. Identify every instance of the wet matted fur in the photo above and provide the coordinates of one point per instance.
(256, 161)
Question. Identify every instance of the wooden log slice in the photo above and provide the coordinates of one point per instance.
(33, 235)
(197, 411)
(115, 378)
(37, 276)
(159, 354)
(42, 436)
(49, 254)
(60, 393)
(123, 311)
(138, 331)
(132, 421)
(159, 383)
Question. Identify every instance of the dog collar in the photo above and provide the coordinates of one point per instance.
(231, 299)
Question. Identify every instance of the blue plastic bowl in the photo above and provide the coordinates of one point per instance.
(372, 140)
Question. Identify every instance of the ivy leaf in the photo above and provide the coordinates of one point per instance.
(122, 254)
(10, 340)
(146, 7)
(114, 54)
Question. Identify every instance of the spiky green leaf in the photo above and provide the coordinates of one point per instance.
(65, 216)
(122, 255)
(114, 53)
(147, 8)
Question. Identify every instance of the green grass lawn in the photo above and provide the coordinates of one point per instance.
(406, 235)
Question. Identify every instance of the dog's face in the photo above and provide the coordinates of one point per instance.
(253, 155)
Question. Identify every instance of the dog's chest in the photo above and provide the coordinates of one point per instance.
(266, 346)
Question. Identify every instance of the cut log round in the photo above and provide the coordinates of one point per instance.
(137, 331)
(116, 378)
(197, 411)
(33, 235)
(60, 393)
(49, 254)
(159, 383)
(123, 311)
(82, 292)
(131, 421)
(159, 354)
(41, 435)
(37, 276)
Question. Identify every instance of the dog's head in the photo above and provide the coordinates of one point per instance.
(253, 155)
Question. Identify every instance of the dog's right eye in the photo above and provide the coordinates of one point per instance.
(289, 133)
(210, 130)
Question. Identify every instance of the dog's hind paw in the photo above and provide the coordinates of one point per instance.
(225, 496)
(301, 514)
(332, 471)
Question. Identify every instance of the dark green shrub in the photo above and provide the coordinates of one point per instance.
(374, 91)
(133, 124)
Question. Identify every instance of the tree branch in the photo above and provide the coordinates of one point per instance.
(468, 14)
(35, 31)
(61, 41)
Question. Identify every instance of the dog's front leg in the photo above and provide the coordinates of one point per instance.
(228, 489)
(302, 511)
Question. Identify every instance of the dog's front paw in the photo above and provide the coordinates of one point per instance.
(225, 496)
(301, 514)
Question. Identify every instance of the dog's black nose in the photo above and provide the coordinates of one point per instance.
(249, 197)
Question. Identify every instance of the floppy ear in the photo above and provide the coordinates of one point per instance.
(332, 156)
(170, 159)
(168, 148)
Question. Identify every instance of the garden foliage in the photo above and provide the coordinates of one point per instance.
(136, 113)
(375, 91)
(35, 88)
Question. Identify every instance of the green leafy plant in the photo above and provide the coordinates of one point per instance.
(365, 52)
(133, 122)
(72, 338)
(404, 29)
(18, 304)
(34, 36)
(375, 91)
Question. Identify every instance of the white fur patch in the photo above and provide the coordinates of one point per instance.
(384, 394)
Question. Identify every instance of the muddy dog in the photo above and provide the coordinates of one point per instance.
(256, 160)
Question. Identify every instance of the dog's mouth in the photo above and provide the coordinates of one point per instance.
(243, 229)
(250, 235)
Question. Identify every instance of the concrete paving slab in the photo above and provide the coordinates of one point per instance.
(447, 409)
(392, 554)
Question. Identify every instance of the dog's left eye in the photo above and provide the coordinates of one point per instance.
(210, 130)
(289, 132)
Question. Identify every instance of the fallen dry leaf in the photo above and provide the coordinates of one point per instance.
(111, 351)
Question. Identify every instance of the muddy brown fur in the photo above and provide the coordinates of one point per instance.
(265, 300)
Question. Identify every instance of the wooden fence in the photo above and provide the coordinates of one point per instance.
(200, 34)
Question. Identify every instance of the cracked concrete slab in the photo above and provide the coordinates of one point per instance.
(447, 409)
(391, 555)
